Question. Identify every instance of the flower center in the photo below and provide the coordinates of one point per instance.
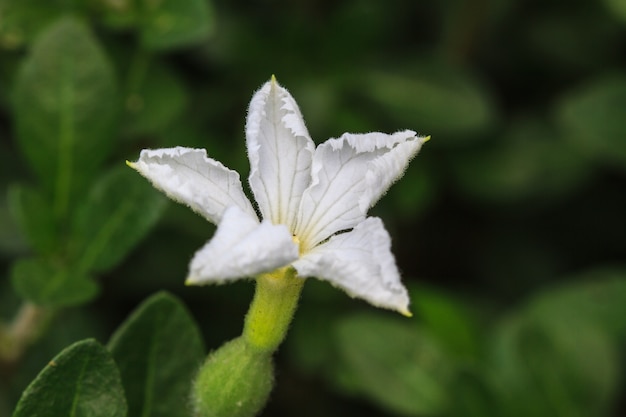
(296, 240)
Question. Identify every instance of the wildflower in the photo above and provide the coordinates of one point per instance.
(313, 202)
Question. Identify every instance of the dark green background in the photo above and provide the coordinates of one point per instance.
(509, 227)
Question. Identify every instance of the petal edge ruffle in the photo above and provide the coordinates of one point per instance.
(280, 152)
(349, 175)
(361, 263)
(188, 176)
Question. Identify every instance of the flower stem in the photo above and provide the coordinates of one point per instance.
(25, 328)
(275, 301)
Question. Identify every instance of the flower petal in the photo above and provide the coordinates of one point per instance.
(188, 176)
(359, 262)
(349, 175)
(241, 247)
(280, 152)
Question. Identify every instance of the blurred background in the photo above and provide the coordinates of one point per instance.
(509, 227)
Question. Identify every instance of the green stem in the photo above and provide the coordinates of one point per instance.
(272, 309)
(25, 328)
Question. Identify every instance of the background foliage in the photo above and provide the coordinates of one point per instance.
(509, 227)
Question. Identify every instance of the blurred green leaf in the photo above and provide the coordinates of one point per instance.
(162, 24)
(157, 101)
(32, 211)
(436, 99)
(618, 8)
(557, 41)
(446, 319)
(394, 364)
(416, 192)
(310, 342)
(473, 394)
(514, 250)
(119, 14)
(81, 381)
(44, 283)
(118, 211)
(592, 117)
(552, 368)
(59, 329)
(529, 162)
(65, 108)
(169, 24)
(12, 240)
(158, 350)
(598, 297)
(20, 20)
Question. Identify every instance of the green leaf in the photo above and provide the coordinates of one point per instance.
(119, 14)
(553, 369)
(473, 395)
(597, 296)
(81, 381)
(556, 41)
(169, 24)
(12, 239)
(310, 343)
(527, 162)
(558, 357)
(118, 211)
(592, 117)
(415, 193)
(32, 211)
(48, 284)
(394, 364)
(436, 100)
(617, 8)
(156, 102)
(22, 19)
(65, 109)
(446, 319)
(158, 350)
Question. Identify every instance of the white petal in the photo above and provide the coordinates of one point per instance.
(359, 262)
(280, 152)
(241, 247)
(190, 177)
(349, 175)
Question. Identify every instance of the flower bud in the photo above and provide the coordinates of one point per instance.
(235, 381)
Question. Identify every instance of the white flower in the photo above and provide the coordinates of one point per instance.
(313, 201)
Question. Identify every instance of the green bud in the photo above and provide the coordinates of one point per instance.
(235, 381)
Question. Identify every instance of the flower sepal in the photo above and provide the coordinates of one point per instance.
(234, 381)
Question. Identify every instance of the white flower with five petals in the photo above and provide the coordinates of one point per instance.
(313, 202)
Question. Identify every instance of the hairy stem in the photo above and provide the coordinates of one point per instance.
(272, 309)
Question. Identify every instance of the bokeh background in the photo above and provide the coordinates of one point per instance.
(509, 227)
